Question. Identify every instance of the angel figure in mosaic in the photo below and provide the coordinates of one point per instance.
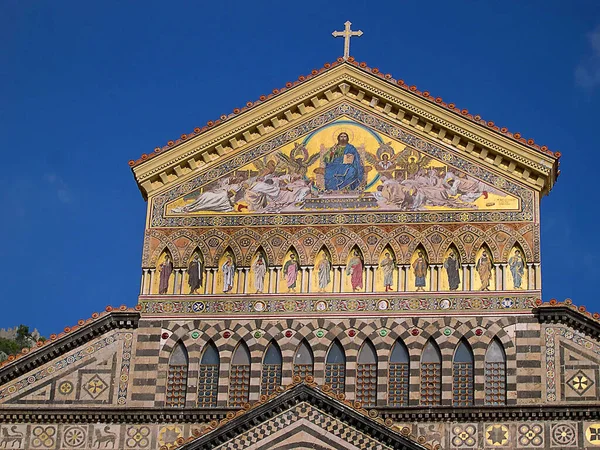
(385, 160)
(298, 160)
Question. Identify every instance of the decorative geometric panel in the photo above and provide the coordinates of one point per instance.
(398, 382)
(94, 386)
(43, 437)
(530, 435)
(168, 435)
(464, 435)
(580, 383)
(462, 388)
(239, 384)
(495, 383)
(366, 384)
(335, 377)
(431, 383)
(271, 378)
(176, 386)
(138, 436)
(592, 433)
(208, 385)
(74, 437)
(563, 434)
(497, 435)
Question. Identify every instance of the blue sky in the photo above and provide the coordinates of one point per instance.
(87, 86)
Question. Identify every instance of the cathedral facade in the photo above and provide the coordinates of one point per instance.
(347, 262)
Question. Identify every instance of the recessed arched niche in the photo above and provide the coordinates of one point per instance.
(517, 277)
(163, 281)
(386, 277)
(227, 276)
(291, 276)
(354, 272)
(194, 280)
(452, 276)
(322, 274)
(418, 271)
(485, 274)
(259, 273)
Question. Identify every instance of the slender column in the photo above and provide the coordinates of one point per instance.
(246, 276)
(373, 278)
(538, 276)
(341, 278)
(151, 280)
(369, 275)
(143, 282)
(182, 281)
(278, 271)
(405, 269)
(214, 280)
(335, 279)
(206, 280)
(399, 283)
(310, 277)
(272, 280)
(465, 275)
(504, 277)
(431, 269)
(471, 277)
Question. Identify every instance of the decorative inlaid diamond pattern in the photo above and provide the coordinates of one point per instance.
(580, 383)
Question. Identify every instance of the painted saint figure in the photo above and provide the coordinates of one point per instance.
(420, 268)
(387, 266)
(452, 270)
(290, 272)
(355, 270)
(228, 269)
(260, 269)
(484, 268)
(517, 268)
(165, 269)
(324, 273)
(343, 166)
(195, 274)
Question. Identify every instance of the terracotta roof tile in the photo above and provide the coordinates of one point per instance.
(363, 66)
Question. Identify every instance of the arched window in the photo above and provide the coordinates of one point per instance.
(366, 375)
(335, 368)
(303, 360)
(398, 379)
(271, 369)
(431, 374)
(495, 374)
(239, 376)
(462, 375)
(177, 377)
(208, 379)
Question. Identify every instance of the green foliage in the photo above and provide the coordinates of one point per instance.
(9, 346)
(22, 340)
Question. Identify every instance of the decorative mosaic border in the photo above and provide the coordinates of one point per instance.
(68, 361)
(320, 305)
(551, 354)
(367, 217)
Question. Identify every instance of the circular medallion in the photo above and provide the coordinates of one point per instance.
(259, 306)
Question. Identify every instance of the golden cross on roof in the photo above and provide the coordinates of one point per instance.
(347, 34)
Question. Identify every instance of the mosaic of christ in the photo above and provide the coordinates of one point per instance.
(343, 166)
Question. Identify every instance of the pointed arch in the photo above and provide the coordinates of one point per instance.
(419, 270)
(291, 280)
(387, 276)
(431, 374)
(517, 267)
(354, 280)
(239, 376)
(366, 375)
(462, 374)
(304, 360)
(271, 369)
(258, 271)
(495, 373)
(322, 275)
(484, 266)
(399, 375)
(177, 377)
(227, 266)
(451, 260)
(163, 278)
(208, 376)
(335, 367)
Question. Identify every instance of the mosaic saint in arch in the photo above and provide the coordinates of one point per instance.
(342, 166)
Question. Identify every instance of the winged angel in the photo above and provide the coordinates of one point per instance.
(386, 161)
(298, 160)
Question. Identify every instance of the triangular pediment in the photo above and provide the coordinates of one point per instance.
(282, 119)
(303, 417)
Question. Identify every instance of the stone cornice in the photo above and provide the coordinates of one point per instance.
(351, 84)
(67, 342)
(569, 316)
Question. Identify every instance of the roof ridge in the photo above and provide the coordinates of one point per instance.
(364, 67)
(95, 317)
